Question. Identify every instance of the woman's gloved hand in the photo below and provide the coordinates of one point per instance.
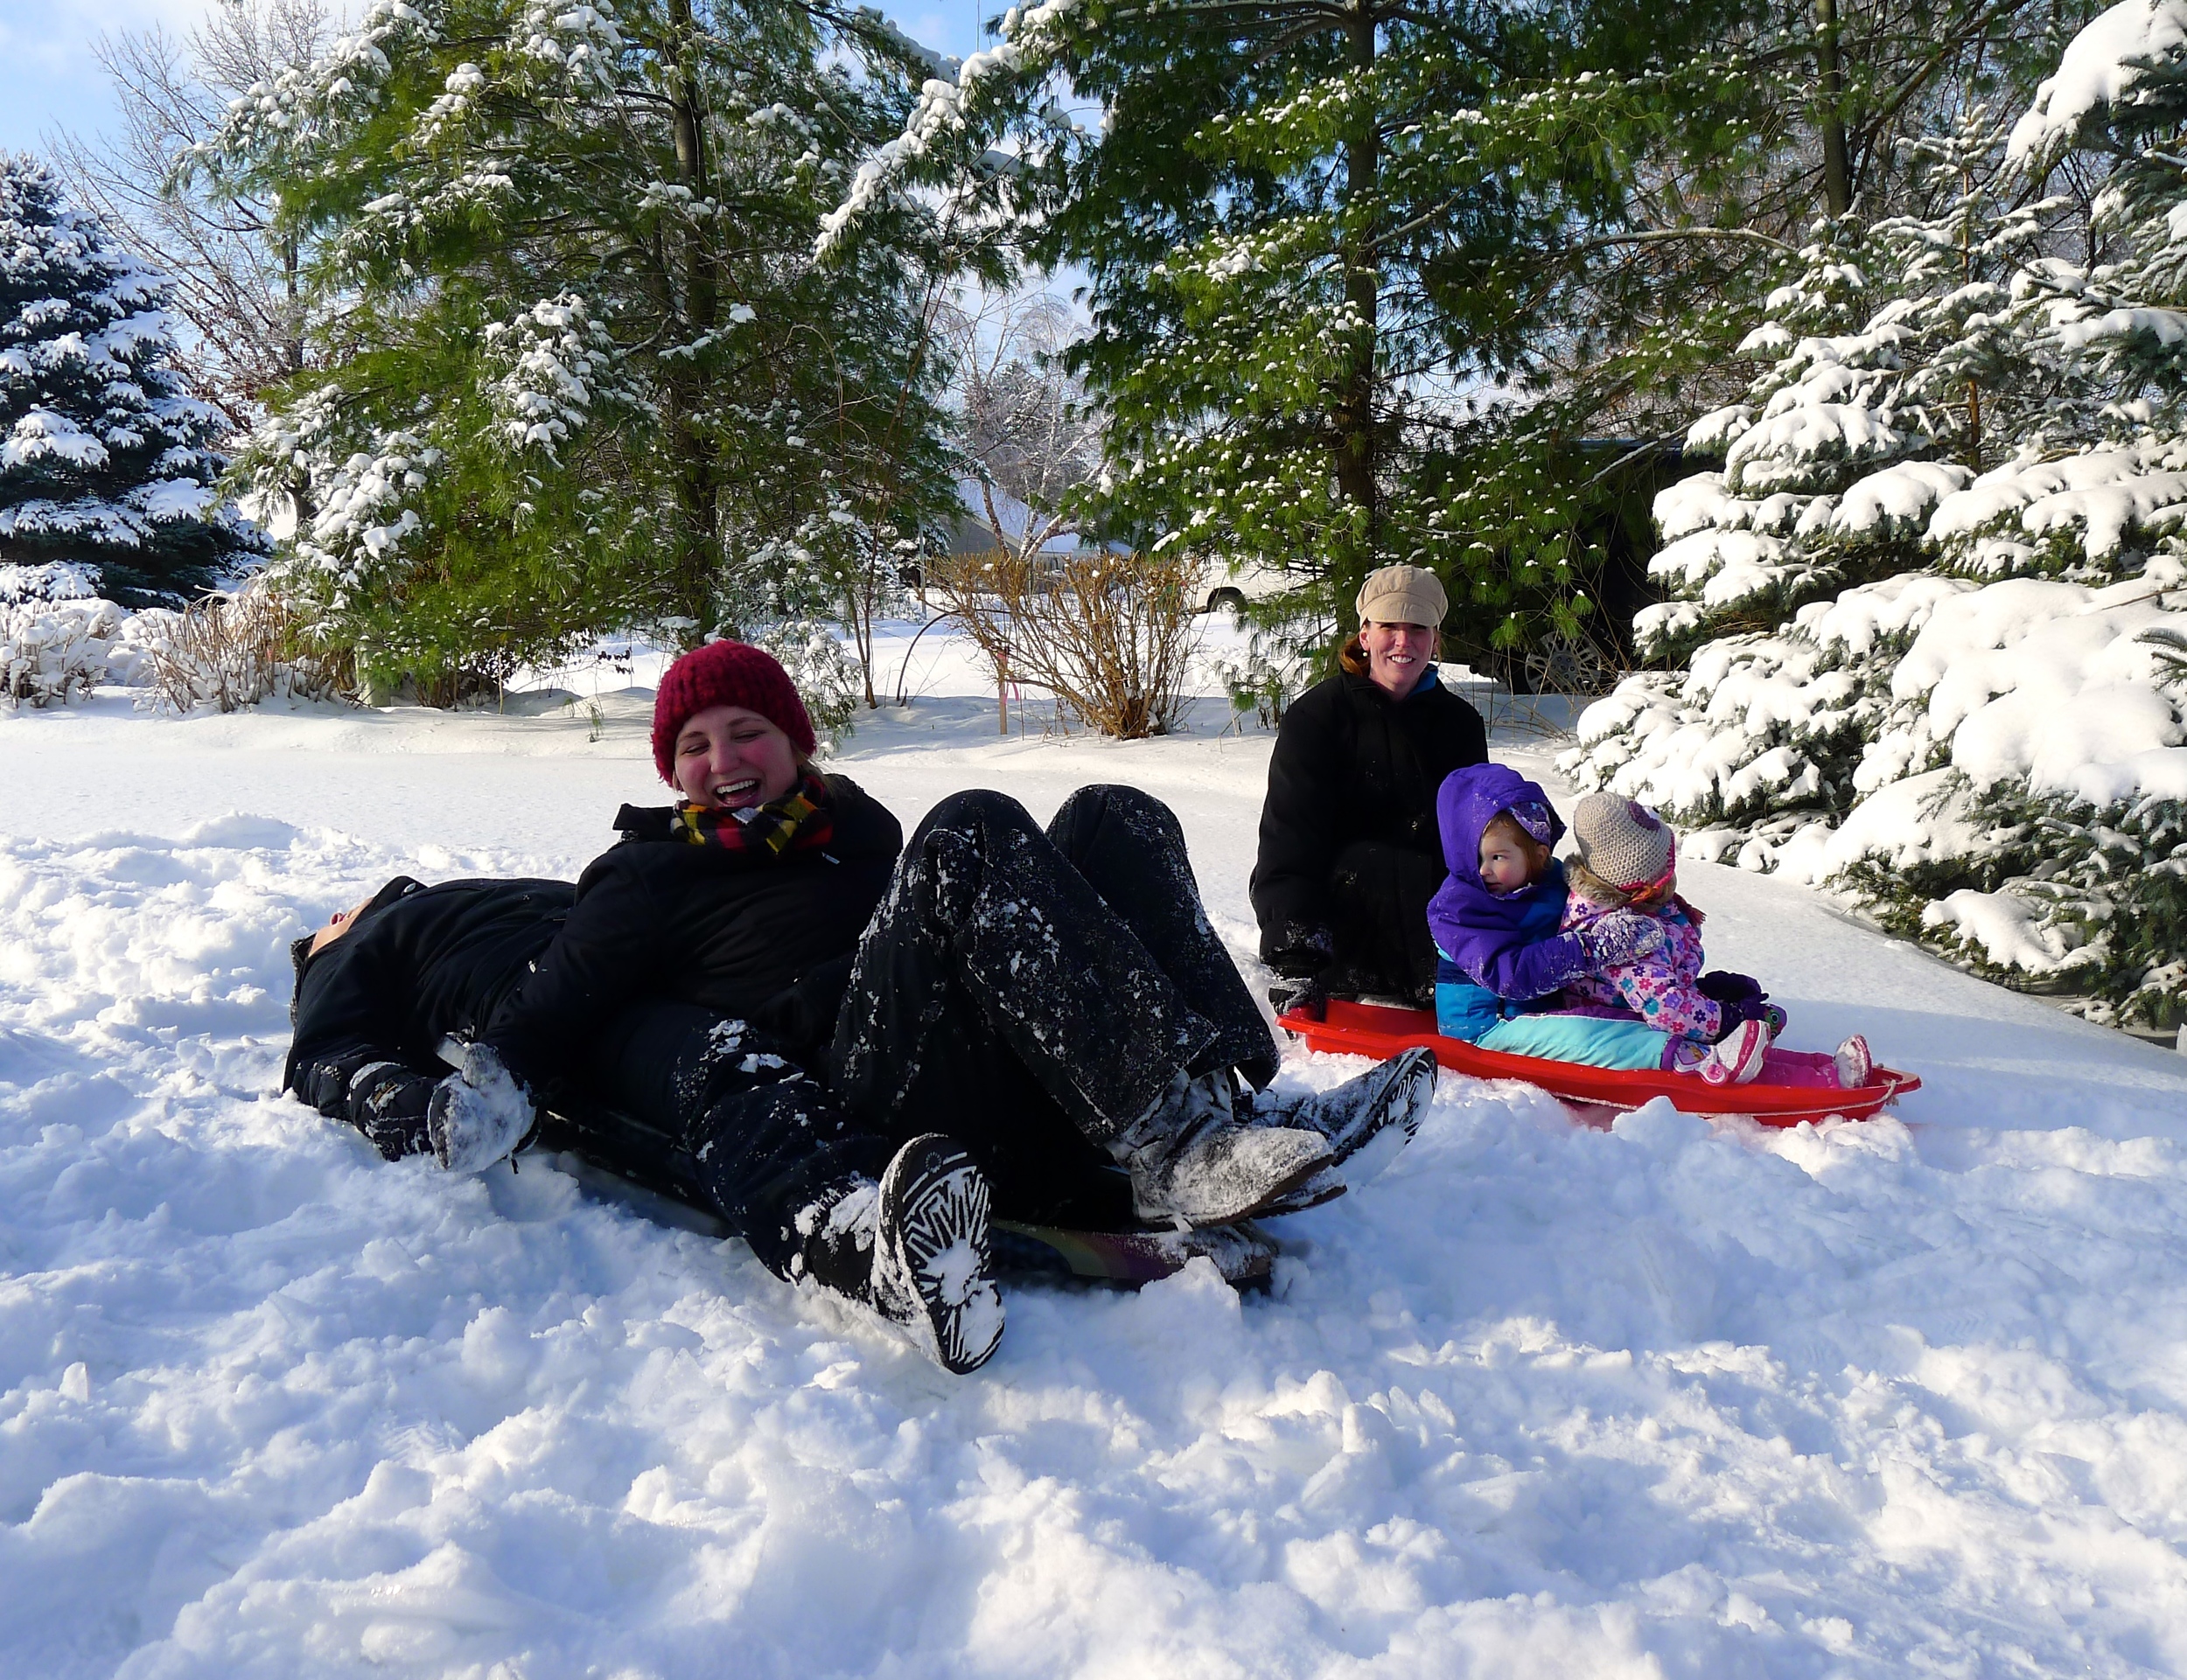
(1620, 937)
(1307, 993)
(478, 1114)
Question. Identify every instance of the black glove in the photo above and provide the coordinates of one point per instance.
(1724, 986)
(1308, 995)
(1735, 1010)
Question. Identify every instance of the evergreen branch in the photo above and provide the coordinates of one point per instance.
(1665, 235)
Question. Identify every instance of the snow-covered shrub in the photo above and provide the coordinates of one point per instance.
(1981, 738)
(50, 650)
(53, 580)
(827, 679)
(233, 650)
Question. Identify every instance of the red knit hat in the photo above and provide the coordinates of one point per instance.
(726, 673)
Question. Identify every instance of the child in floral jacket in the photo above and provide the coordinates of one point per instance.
(1627, 862)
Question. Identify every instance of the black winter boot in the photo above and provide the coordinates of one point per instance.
(914, 1248)
(1194, 1162)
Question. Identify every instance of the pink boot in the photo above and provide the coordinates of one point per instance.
(1738, 1058)
(1855, 1065)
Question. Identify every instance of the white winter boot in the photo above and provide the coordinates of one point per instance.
(1736, 1059)
(1855, 1065)
(1194, 1162)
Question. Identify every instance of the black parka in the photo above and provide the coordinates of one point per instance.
(761, 939)
(417, 965)
(1350, 765)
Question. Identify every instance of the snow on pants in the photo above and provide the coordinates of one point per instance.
(1378, 922)
(712, 1108)
(1033, 994)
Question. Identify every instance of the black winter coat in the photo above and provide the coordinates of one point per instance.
(418, 963)
(1350, 765)
(764, 940)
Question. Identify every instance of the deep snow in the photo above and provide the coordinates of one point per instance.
(1901, 1397)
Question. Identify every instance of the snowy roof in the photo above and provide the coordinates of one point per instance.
(970, 533)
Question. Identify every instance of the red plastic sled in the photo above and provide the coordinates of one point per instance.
(1380, 1031)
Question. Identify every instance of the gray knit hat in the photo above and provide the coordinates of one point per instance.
(1621, 841)
(1403, 595)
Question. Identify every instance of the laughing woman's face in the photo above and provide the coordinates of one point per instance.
(729, 757)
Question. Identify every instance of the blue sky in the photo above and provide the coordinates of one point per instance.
(49, 79)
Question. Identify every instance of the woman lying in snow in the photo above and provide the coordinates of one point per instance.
(857, 1052)
(1599, 964)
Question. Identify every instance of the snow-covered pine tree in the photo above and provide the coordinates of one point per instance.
(105, 458)
(1984, 746)
(578, 368)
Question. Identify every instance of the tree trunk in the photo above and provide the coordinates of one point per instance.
(1837, 174)
(1353, 412)
(697, 472)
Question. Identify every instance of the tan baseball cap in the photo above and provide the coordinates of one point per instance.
(1403, 595)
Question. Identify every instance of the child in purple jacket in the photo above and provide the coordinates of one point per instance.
(1506, 969)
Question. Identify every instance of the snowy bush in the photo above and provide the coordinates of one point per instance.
(828, 679)
(51, 649)
(1973, 720)
(56, 580)
(233, 650)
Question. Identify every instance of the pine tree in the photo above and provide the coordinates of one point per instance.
(1896, 358)
(1311, 229)
(107, 460)
(1982, 742)
(580, 368)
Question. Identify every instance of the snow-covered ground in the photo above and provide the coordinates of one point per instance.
(1895, 1397)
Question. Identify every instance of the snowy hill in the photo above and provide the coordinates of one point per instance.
(1883, 1398)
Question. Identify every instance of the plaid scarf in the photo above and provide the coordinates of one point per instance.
(798, 821)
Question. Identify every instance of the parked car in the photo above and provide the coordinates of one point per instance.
(1229, 585)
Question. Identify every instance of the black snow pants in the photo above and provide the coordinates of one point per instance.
(715, 1110)
(1378, 915)
(1031, 994)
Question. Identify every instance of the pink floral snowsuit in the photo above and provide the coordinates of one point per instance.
(1659, 988)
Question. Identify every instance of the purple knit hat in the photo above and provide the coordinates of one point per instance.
(726, 673)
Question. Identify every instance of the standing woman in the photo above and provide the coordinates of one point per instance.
(1350, 853)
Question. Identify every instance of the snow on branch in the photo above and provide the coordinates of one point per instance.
(2103, 66)
(1029, 40)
